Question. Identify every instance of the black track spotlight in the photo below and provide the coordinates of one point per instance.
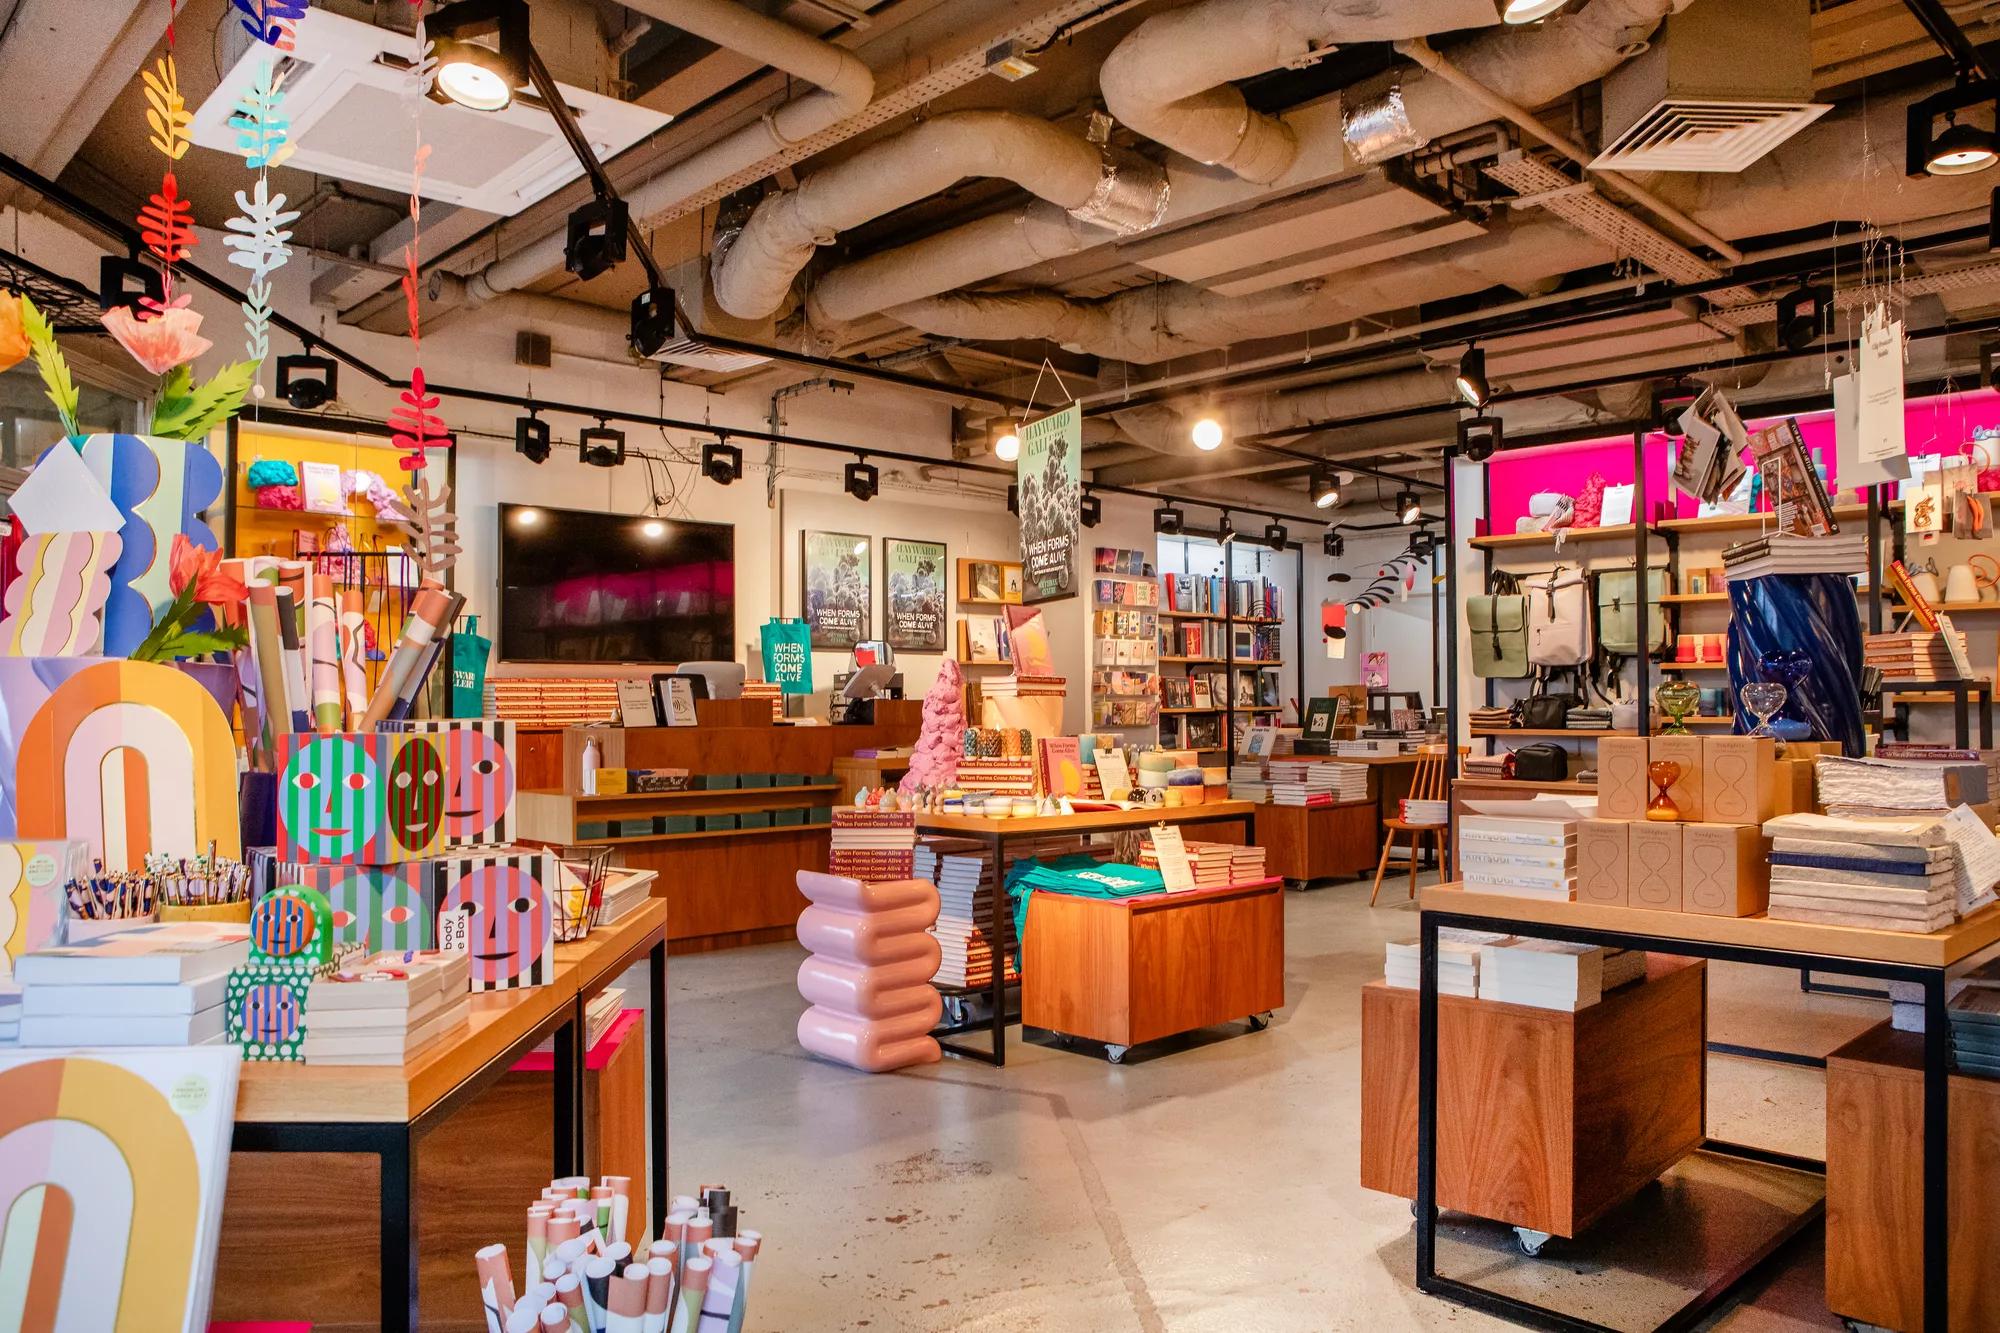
(1804, 314)
(482, 53)
(600, 446)
(1333, 545)
(862, 480)
(1169, 521)
(1092, 508)
(126, 282)
(1325, 488)
(721, 463)
(1422, 544)
(531, 438)
(307, 381)
(1478, 437)
(596, 242)
(1225, 528)
(1275, 536)
(1471, 382)
(1938, 140)
(1408, 508)
(652, 320)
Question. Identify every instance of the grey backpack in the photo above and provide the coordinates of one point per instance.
(1498, 623)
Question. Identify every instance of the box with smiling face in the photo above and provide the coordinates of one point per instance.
(478, 756)
(360, 798)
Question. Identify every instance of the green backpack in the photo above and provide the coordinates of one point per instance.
(1498, 622)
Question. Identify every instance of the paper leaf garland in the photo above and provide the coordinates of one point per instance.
(260, 240)
(184, 411)
(54, 608)
(413, 425)
(166, 223)
(272, 22)
(431, 525)
(256, 309)
(261, 130)
(424, 62)
(49, 361)
(166, 113)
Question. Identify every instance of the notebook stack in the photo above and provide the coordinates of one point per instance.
(1786, 553)
(1917, 656)
(1888, 874)
(1213, 864)
(1899, 787)
(386, 1009)
(1490, 717)
(1549, 974)
(544, 702)
(1975, 1031)
(1248, 782)
(624, 890)
(1318, 784)
(1373, 747)
(1458, 961)
(158, 984)
(1246, 865)
(767, 689)
(1521, 857)
(873, 844)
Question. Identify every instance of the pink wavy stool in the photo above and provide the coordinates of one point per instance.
(868, 980)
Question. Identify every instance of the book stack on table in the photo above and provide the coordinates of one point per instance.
(385, 1009)
(1887, 874)
(1550, 974)
(1917, 656)
(156, 984)
(1458, 961)
(1247, 782)
(965, 879)
(873, 844)
(1532, 857)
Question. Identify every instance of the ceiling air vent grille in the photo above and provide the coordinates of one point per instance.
(698, 355)
(1692, 134)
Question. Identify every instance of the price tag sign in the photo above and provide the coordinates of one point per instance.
(1176, 875)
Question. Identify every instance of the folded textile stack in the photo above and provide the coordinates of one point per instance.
(1524, 857)
(386, 1008)
(1918, 656)
(1549, 974)
(1486, 765)
(872, 844)
(1594, 717)
(1895, 787)
(158, 984)
(1492, 717)
(1787, 553)
(1889, 874)
(1247, 782)
(1458, 961)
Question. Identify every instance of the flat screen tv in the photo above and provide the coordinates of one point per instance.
(580, 587)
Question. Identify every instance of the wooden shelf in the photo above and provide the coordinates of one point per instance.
(1194, 661)
(1692, 666)
(1746, 522)
(1182, 712)
(1504, 540)
(1692, 598)
(1252, 663)
(1553, 731)
(1190, 615)
(1949, 608)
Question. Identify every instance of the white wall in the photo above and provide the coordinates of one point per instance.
(1404, 628)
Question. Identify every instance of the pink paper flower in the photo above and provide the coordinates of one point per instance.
(162, 341)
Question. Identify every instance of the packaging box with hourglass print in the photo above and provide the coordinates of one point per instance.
(1739, 779)
(1686, 792)
(1603, 878)
(1621, 777)
(1725, 869)
(1653, 866)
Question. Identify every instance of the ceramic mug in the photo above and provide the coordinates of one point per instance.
(1961, 584)
(1926, 584)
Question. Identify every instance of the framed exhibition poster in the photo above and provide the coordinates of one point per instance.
(836, 588)
(1049, 477)
(913, 594)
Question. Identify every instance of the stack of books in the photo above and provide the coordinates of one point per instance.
(1212, 863)
(1921, 655)
(1369, 747)
(1025, 687)
(159, 984)
(767, 689)
(873, 844)
(385, 1009)
(1248, 782)
(1458, 961)
(1897, 787)
(1246, 865)
(998, 777)
(1785, 553)
(1888, 874)
(624, 890)
(1298, 783)
(1522, 857)
(966, 883)
(540, 701)
(1549, 974)
(1975, 1031)
(1428, 813)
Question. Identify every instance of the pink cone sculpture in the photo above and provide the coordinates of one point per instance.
(868, 980)
(940, 742)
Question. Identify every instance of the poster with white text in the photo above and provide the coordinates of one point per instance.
(913, 594)
(1050, 483)
(837, 588)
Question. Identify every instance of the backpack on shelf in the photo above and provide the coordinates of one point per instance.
(1618, 612)
(1497, 623)
(1558, 619)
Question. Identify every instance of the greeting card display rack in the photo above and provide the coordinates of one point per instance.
(1222, 648)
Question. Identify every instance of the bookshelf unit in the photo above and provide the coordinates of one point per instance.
(1222, 643)
(1124, 641)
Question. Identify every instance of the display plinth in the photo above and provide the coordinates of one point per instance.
(1546, 1119)
(1320, 841)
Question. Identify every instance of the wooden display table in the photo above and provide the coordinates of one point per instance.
(1546, 1119)
(1305, 843)
(1213, 817)
(1878, 955)
(1122, 971)
(384, 1111)
(1874, 1262)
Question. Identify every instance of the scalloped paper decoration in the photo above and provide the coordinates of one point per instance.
(272, 22)
(414, 426)
(56, 607)
(260, 239)
(166, 111)
(262, 130)
(166, 223)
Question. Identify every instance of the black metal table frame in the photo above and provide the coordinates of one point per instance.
(1962, 693)
(394, 1143)
(1936, 1184)
(998, 837)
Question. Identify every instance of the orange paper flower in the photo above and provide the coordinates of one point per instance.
(160, 342)
(14, 347)
(213, 584)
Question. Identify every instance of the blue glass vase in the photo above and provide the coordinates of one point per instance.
(1809, 626)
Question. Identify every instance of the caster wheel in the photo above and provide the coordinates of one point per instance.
(1116, 1054)
(1064, 1040)
(1258, 1022)
(1531, 1242)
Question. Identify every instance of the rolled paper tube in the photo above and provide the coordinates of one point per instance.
(562, 1229)
(618, 1252)
(352, 637)
(413, 687)
(720, 1298)
(747, 1244)
(683, 1204)
(621, 1204)
(700, 1230)
(571, 1251)
(626, 1304)
(597, 1289)
(659, 1293)
(523, 1319)
(573, 1187)
(323, 639)
(554, 1269)
(250, 695)
(496, 1284)
(269, 646)
(538, 1237)
(427, 609)
(554, 1316)
(694, 1286)
(298, 693)
(569, 1293)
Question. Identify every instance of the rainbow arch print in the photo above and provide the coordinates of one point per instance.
(131, 757)
(111, 1188)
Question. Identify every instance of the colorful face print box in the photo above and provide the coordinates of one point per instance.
(359, 798)
(478, 777)
(378, 908)
(499, 906)
(264, 1005)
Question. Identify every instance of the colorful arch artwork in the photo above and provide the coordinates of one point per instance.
(130, 757)
(161, 487)
(111, 1175)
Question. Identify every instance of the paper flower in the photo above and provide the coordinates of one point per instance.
(161, 342)
(14, 344)
(213, 585)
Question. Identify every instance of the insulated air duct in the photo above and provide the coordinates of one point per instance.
(753, 275)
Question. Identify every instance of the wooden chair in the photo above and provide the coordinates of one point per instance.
(1431, 782)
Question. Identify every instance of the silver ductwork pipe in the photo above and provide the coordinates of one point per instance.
(845, 86)
(1412, 109)
(1118, 192)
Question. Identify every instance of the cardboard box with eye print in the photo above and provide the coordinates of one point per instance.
(360, 798)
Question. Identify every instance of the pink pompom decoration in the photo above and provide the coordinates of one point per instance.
(280, 497)
(940, 740)
(1590, 503)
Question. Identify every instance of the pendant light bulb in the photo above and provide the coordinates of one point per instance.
(1008, 447)
(1207, 434)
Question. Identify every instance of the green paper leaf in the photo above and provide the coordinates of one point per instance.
(199, 642)
(49, 360)
(198, 411)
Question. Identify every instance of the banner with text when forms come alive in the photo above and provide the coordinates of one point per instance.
(1050, 476)
(837, 588)
(913, 594)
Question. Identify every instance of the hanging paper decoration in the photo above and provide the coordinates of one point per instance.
(14, 344)
(162, 339)
(259, 240)
(261, 128)
(166, 113)
(414, 425)
(432, 528)
(273, 22)
(166, 223)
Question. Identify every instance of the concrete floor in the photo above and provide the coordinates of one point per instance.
(1208, 1184)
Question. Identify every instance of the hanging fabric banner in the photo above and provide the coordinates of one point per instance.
(1050, 485)
(788, 659)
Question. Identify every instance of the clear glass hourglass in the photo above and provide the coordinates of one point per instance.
(1762, 699)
